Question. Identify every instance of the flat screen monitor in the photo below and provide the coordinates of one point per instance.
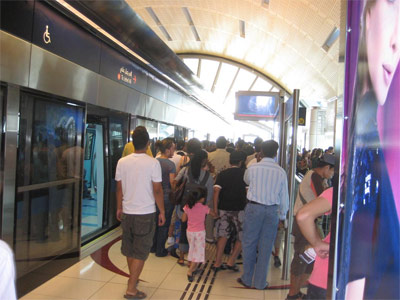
(253, 106)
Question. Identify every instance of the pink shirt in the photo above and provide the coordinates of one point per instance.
(319, 275)
(196, 217)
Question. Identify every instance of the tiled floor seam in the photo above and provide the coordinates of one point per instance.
(96, 291)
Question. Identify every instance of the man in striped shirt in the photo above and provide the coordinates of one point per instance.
(268, 202)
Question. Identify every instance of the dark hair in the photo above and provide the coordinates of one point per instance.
(140, 138)
(230, 149)
(221, 142)
(237, 157)
(197, 162)
(195, 195)
(165, 144)
(321, 164)
(257, 144)
(180, 145)
(193, 146)
(248, 150)
(269, 148)
(240, 144)
(205, 144)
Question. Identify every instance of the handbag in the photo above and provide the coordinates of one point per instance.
(176, 195)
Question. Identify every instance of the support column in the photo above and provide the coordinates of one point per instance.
(313, 128)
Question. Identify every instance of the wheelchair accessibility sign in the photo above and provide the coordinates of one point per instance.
(46, 35)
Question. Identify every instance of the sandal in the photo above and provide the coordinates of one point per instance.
(299, 295)
(181, 262)
(216, 269)
(233, 268)
(190, 278)
(138, 295)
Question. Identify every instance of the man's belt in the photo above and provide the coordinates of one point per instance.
(254, 202)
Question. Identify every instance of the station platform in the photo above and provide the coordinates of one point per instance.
(104, 275)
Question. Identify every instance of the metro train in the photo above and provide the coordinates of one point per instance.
(68, 102)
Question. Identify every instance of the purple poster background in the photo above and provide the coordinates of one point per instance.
(369, 231)
(354, 11)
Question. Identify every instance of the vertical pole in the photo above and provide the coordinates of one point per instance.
(10, 164)
(282, 138)
(291, 184)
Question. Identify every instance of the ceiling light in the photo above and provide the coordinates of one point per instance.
(186, 12)
(158, 22)
(242, 28)
(333, 36)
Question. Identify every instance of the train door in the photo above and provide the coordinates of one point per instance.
(93, 180)
(48, 180)
(105, 138)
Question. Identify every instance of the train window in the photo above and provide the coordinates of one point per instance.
(166, 131)
(49, 174)
(152, 129)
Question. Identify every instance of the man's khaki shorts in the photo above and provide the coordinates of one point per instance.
(137, 235)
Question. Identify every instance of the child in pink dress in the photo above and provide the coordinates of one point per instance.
(195, 213)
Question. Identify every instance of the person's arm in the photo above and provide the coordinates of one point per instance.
(217, 189)
(159, 197)
(119, 200)
(284, 203)
(184, 217)
(305, 219)
(172, 180)
(210, 190)
(212, 213)
(172, 176)
(179, 176)
(246, 177)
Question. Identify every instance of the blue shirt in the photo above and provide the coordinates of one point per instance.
(268, 185)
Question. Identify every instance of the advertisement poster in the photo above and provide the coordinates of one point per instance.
(368, 261)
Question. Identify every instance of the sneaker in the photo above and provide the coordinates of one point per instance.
(277, 261)
(170, 242)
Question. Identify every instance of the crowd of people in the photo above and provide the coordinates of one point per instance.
(235, 196)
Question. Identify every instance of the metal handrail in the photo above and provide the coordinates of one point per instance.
(39, 186)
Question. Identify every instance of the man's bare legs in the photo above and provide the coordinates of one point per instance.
(220, 249)
(296, 283)
(235, 253)
(135, 268)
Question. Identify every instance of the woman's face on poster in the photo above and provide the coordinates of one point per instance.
(383, 44)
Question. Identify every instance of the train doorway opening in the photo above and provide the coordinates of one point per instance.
(93, 179)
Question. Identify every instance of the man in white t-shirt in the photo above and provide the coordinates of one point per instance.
(7, 273)
(139, 188)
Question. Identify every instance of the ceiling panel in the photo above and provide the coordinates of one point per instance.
(282, 41)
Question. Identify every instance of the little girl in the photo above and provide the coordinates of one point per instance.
(195, 213)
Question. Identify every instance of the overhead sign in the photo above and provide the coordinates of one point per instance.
(119, 68)
(58, 34)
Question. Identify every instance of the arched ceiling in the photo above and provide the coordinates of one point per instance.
(282, 39)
